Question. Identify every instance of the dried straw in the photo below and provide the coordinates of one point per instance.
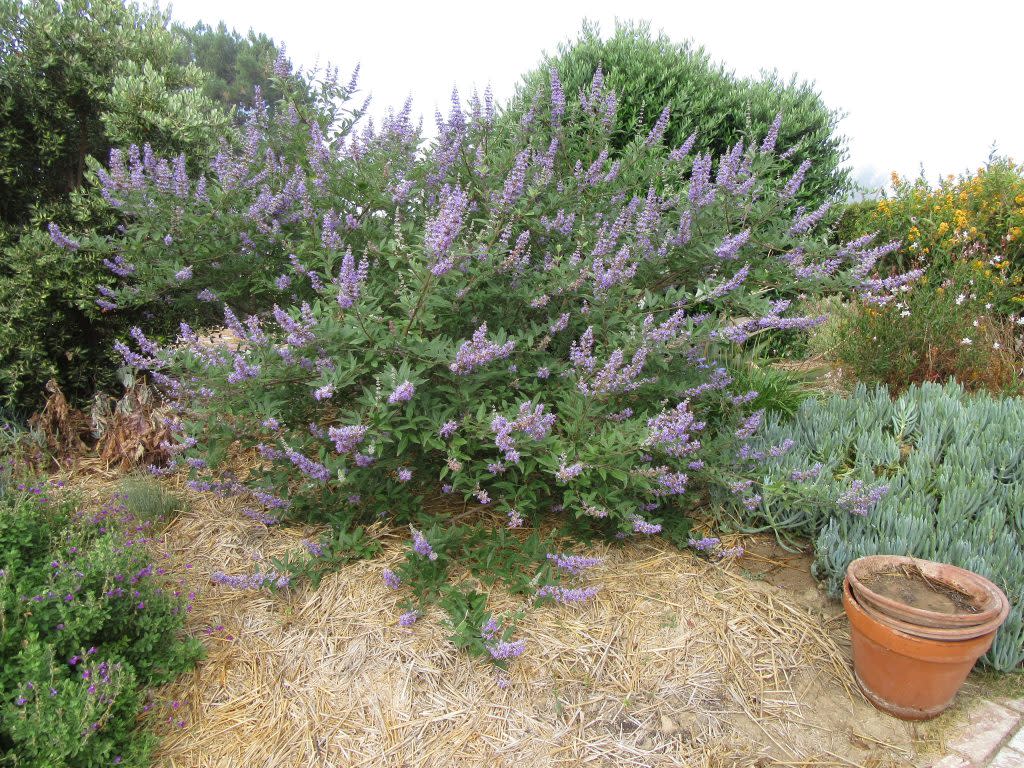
(676, 662)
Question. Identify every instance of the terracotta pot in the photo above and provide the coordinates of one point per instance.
(913, 678)
(987, 599)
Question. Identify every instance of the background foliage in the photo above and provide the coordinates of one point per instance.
(972, 217)
(948, 326)
(963, 319)
(77, 78)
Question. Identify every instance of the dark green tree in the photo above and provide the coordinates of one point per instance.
(234, 65)
(650, 72)
(78, 77)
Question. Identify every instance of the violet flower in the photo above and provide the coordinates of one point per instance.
(61, 240)
(506, 650)
(445, 227)
(859, 499)
(402, 393)
(574, 564)
(731, 245)
(347, 439)
(479, 351)
(421, 546)
(350, 279)
(565, 595)
(793, 185)
(391, 579)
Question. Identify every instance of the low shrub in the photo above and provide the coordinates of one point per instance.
(88, 624)
(937, 474)
(936, 331)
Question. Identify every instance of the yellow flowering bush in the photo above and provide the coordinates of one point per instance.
(975, 217)
(963, 318)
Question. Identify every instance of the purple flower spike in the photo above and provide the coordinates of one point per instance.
(444, 228)
(565, 595)
(574, 564)
(859, 499)
(391, 579)
(793, 185)
(654, 137)
(347, 439)
(642, 526)
(507, 650)
(707, 544)
(772, 137)
(60, 239)
(421, 546)
(349, 281)
(479, 351)
(402, 393)
(731, 245)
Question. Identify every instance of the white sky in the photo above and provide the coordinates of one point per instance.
(923, 83)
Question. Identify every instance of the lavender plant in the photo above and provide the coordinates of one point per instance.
(88, 623)
(497, 319)
(937, 474)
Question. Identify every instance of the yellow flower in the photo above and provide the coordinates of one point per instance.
(943, 227)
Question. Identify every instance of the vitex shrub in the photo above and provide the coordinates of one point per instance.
(514, 323)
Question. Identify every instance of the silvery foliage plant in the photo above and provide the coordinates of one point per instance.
(936, 474)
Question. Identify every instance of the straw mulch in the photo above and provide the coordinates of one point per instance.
(677, 662)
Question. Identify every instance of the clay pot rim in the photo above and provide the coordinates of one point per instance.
(948, 634)
(911, 646)
(971, 583)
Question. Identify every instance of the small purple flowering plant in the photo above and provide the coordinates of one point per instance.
(91, 623)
